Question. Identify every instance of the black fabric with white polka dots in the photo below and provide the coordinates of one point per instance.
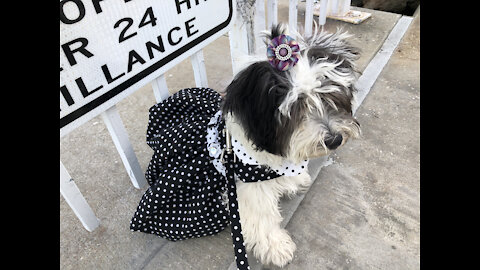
(184, 199)
(236, 227)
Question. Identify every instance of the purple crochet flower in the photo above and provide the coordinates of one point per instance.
(282, 52)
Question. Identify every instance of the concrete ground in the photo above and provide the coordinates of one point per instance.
(367, 202)
(362, 212)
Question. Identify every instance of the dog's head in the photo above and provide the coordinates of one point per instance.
(303, 112)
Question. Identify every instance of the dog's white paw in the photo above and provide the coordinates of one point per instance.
(278, 250)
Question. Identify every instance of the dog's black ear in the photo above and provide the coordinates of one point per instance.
(253, 98)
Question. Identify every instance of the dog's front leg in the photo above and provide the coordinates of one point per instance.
(260, 218)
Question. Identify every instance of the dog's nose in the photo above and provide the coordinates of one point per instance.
(332, 142)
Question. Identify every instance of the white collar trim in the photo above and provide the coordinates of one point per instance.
(287, 168)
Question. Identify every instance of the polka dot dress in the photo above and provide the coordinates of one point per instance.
(184, 197)
(186, 176)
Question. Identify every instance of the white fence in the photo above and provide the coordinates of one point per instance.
(251, 18)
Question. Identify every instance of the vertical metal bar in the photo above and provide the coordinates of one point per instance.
(322, 18)
(259, 25)
(160, 88)
(76, 201)
(338, 7)
(272, 12)
(238, 39)
(292, 16)
(199, 70)
(345, 8)
(124, 147)
(332, 7)
(308, 17)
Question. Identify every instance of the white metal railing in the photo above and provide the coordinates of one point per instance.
(244, 36)
(252, 17)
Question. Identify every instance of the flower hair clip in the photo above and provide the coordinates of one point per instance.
(282, 52)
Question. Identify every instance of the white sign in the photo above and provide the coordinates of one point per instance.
(110, 48)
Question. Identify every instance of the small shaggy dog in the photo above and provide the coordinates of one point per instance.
(279, 113)
(285, 117)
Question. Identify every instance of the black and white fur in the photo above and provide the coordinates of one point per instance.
(294, 115)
